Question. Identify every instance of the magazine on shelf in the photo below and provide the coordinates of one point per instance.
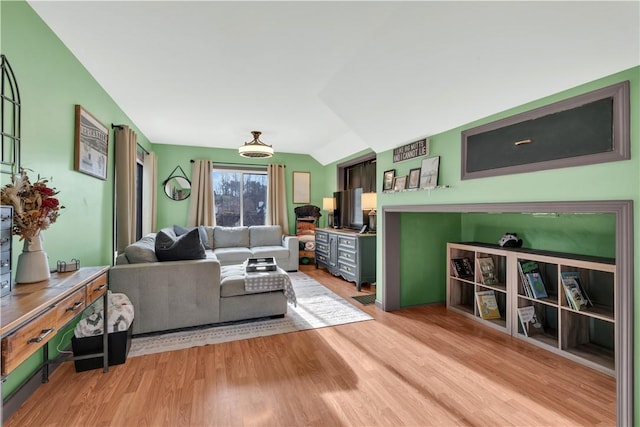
(537, 285)
(574, 276)
(461, 267)
(487, 305)
(525, 267)
(529, 321)
(487, 270)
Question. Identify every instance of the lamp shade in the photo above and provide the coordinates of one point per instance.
(328, 203)
(369, 201)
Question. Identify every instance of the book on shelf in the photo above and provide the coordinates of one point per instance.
(529, 321)
(536, 283)
(487, 304)
(487, 270)
(530, 270)
(462, 267)
(577, 297)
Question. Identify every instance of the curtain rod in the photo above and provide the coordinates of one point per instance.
(235, 164)
(120, 127)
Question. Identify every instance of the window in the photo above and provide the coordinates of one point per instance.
(240, 197)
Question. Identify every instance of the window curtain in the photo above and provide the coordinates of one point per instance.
(126, 145)
(149, 193)
(201, 199)
(277, 204)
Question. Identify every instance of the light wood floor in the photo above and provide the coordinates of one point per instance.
(414, 367)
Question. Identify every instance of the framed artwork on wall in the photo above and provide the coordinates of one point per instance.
(387, 180)
(414, 178)
(301, 187)
(91, 145)
(429, 172)
(399, 183)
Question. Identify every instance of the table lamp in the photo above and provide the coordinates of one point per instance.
(370, 203)
(329, 205)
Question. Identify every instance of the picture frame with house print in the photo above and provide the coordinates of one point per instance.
(387, 180)
(429, 172)
(414, 178)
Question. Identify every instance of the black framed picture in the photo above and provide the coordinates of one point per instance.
(414, 178)
(387, 180)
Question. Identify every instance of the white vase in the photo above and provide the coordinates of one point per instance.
(33, 265)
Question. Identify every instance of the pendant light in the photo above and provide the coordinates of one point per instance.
(255, 148)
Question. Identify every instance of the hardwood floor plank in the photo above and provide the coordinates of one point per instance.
(416, 367)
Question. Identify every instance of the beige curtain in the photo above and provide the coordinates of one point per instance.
(277, 204)
(149, 193)
(201, 199)
(125, 200)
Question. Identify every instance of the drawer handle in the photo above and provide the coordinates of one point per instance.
(5, 217)
(5, 240)
(76, 306)
(5, 264)
(99, 288)
(42, 336)
(4, 284)
(523, 141)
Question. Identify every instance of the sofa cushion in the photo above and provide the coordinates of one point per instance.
(265, 235)
(180, 230)
(279, 252)
(230, 237)
(144, 250)
(232, 255)
(232, 280)
(170, 247)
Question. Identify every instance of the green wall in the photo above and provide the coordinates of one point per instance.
(171, 212)
(584, 234)
(51, 82)
(422, 256)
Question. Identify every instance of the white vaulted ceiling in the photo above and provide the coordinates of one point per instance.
(333, 78)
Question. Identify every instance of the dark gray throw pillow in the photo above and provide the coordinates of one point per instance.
(180, 230)
(170, 247)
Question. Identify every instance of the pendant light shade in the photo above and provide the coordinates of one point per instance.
(256, 148)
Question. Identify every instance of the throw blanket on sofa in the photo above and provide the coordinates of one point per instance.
(271, 281)
(120, 317)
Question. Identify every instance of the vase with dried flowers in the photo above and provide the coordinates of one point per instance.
(35, 208)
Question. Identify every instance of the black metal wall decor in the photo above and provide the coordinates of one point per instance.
(9, 120)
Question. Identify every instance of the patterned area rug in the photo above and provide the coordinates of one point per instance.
(317, 307)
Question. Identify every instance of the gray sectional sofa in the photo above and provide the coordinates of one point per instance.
(178, 294)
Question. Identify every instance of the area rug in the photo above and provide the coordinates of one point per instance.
(317, 307)
(365, 299)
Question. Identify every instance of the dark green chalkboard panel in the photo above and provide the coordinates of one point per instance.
(590, 128)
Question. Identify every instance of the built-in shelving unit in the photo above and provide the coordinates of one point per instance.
(586, 336)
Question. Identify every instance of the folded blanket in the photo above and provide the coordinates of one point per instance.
(120, 317)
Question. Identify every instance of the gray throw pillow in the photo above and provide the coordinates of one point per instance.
(170, 247)
(142, 251)
(180, 230)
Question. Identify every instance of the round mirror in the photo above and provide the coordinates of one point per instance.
(177, 188)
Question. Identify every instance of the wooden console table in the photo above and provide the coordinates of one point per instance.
(34, 313)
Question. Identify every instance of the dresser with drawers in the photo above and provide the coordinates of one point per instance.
(348, 254)
(6, 224)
